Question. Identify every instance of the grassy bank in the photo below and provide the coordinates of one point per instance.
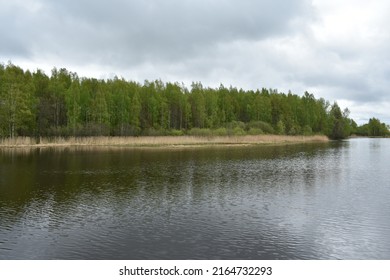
(159, 141)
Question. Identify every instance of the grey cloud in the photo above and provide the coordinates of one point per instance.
(130, 32)
(12, 32)
(248, 43)
(360, 84)
(13, 46)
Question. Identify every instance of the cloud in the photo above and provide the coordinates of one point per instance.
(130, 32)
(335, 49)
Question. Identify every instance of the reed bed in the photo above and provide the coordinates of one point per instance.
(158, 141)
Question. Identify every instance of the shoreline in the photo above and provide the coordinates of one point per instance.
(159, 141)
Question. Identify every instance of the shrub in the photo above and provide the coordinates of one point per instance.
(265, 127)
(234, 124)
(153, 132)
(281, 128)
(220, 131)
(176, 132)
(307, 130)
(205, 132)
(255, 131)
(295, 129)
(238, 131)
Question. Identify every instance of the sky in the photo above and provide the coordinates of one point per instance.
(337, 50)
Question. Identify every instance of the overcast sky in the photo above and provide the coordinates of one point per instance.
(338, 50)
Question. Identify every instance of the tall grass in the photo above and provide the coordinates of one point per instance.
(153, 141)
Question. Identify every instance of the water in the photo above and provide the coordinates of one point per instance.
(312, 201)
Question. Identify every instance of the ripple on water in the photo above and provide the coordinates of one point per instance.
(301, 202)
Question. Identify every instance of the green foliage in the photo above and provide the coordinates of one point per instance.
(151, 131)
(376, 128)
(222, 131)
(176, 132)
(339, 123)
(263, 126)
(295, 129)
(17, 102)
(280, 127)
(307, 130)
(238, 131)
(204, 132)
(255, 131)
(362, 130)
(134, 112)
(66, 105)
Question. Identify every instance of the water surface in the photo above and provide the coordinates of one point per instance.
(310, 201)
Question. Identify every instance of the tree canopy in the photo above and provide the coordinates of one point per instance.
(374, 128)
(34, 104)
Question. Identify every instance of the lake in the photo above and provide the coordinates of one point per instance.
(304, 201)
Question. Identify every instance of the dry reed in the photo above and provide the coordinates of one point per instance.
(158, 141)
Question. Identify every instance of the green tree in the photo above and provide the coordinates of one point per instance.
(261, 108)
(339, 123)
(135, 111)
(198, 106)
(64, 104)
(72, 102)
(100, 115)
(280, 127)
(44, 108)
(376, 128)
(17, 102)
(60, 82)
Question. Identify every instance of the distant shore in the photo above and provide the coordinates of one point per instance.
(158, 141)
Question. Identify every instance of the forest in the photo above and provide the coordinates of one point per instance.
(63, 104)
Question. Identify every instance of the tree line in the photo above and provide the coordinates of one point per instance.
(63, 104)
(374, 128)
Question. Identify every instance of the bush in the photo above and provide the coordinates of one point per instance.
(280, 127)
(176, 132)
(265, 127)
(90, 129)
(220, 131)
(255, 131)
(153, 132)
(295, 129)
(126, 130)
(307, 130)
(234, 124)
(205, 132)
(238, 131)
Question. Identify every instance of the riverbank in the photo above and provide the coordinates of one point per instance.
(158, 141)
